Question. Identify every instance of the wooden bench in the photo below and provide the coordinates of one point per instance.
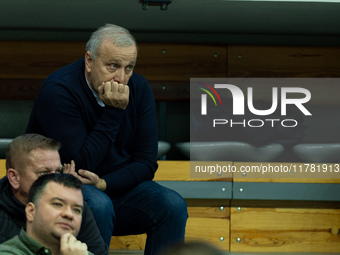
(247, 214)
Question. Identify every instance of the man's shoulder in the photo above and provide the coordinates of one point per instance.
(67, 74)
(6, 216)
(138, 83)
(11, 246)
(8, 226)
(8, 204)
(67, 81)
(70, 68)
(14, 240)
(138, 78)
(5, 200)
(10, 216)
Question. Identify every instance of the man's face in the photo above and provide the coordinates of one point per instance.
(39, 162)
(58, 211)
(112, 63)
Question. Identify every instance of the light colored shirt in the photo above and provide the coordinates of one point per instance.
(100, 102)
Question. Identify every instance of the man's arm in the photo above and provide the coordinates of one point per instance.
(8, 228)
(146, 118)
(143, 163)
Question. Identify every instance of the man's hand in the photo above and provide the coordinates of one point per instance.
(69, 245)
(114, 94)
(85, 176)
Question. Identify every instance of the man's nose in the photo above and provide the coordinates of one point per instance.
(119, 76)
(67, 212)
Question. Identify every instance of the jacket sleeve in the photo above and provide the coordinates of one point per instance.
(143, 164)
(90, 235)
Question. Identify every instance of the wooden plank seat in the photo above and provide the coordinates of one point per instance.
(255, 215)
(208, 218)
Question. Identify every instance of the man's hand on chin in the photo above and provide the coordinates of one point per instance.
(69, 245)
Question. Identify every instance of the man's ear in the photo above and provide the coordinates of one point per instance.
(30, 211)
(14, 178)
(88, 61)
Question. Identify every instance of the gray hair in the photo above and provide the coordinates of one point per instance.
(119, 36)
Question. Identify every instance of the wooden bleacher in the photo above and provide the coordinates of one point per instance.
(219, 215)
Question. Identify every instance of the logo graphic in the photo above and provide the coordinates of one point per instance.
(280, 97)
(204, 97)
(239, 99)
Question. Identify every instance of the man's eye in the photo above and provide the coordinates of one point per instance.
(113, 66)
(129, 69)
(59, 171)
(77, 211)
(43, 173)
(56, 204)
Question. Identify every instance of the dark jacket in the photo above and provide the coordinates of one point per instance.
(12, 219)
(118, 145)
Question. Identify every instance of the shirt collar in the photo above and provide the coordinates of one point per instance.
(96, 96)
(33, 245)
